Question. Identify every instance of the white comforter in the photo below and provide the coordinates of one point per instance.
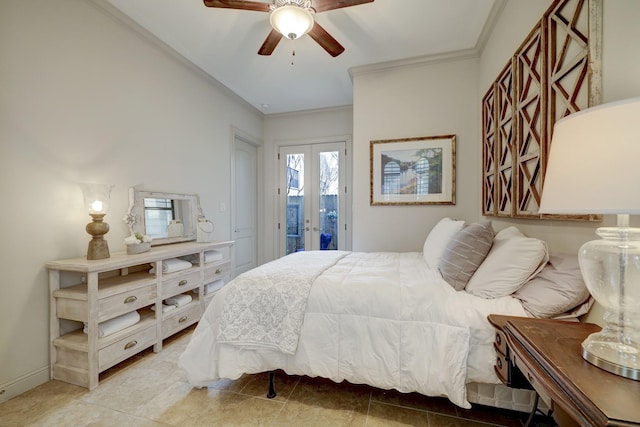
(383, 319)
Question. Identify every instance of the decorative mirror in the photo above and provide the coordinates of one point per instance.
(165, 217)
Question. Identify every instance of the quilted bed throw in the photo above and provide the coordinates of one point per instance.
(265, 307)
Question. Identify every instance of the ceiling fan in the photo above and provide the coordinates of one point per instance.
(292, 19)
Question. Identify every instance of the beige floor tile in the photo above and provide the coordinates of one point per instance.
(36, 403)
(439, 420)
(231, 385)
(258, 385)
(439, 405)
(210, 407)
(381, 414)
(133, 388)
(80, 414)
(322, 402)
(493, 415)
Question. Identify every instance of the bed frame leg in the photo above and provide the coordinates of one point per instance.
(272, 387)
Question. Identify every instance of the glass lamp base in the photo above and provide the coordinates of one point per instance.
(611, 356)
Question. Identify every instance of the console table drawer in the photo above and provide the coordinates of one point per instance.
(180, 284)
(216, 272)
(125, 302)
(126, 347)
(181, 320)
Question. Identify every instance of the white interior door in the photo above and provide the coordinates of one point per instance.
(244, 205)
(312, 197)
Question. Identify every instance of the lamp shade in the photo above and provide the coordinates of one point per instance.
(594, 162)
(291, 21)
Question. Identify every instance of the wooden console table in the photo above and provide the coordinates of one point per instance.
(549, 355)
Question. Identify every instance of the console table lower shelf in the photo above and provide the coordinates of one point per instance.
(548, 354)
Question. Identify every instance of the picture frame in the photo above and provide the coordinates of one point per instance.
(413, 171)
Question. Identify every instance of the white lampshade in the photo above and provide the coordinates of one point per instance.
(594, 162)
(291, 21)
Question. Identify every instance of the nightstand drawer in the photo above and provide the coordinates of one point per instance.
(531, 378)
(500, 342)
(502, 367)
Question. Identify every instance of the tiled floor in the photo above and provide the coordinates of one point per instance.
(149, 390)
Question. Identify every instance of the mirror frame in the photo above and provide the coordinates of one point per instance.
(135, 214)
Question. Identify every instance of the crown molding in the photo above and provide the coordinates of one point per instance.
(114, 13)
(475, 52)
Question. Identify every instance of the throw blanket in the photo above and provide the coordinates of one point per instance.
(265, 307)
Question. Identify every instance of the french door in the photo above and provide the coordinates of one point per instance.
(312, 188)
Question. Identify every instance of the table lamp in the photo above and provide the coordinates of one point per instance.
(96, 200)
(594, 168)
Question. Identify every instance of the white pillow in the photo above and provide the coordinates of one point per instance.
(513, 260)
(438, 239)
(557, 290)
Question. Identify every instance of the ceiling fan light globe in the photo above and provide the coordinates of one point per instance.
(291, 21)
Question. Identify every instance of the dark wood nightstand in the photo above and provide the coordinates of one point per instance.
(548, 353)
(505, 370)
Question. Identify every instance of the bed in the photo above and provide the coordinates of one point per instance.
(415, 321)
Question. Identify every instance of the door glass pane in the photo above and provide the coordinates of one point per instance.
(295, 203)
(328, 203)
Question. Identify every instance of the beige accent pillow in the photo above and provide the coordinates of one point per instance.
(465, 252)
(513, 260)
(438, 239)
(558, 291)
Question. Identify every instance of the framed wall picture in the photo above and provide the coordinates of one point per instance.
(413, 171)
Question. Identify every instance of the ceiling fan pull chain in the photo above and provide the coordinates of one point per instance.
(293, 51)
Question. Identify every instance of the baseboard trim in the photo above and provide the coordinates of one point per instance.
(23, 383)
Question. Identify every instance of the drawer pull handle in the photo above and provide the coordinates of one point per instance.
(183, 319)
(499, 363)
(130, 344)
(218, 271)
(183, 282)
(498, 339)
(132, 298)
(530, 378)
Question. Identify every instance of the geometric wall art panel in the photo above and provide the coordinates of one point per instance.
(555, 72)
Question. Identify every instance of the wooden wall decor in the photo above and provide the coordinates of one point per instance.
(556, 71)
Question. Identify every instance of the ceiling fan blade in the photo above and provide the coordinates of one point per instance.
(325, 40)
(324, 5)
(270, 43)
(238, 4)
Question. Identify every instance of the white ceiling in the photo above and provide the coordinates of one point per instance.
(224, 42)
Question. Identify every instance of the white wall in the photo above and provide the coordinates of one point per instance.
(445, 98)
(305, 127)
(428, 99)
(85, 98)
(621, 68)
